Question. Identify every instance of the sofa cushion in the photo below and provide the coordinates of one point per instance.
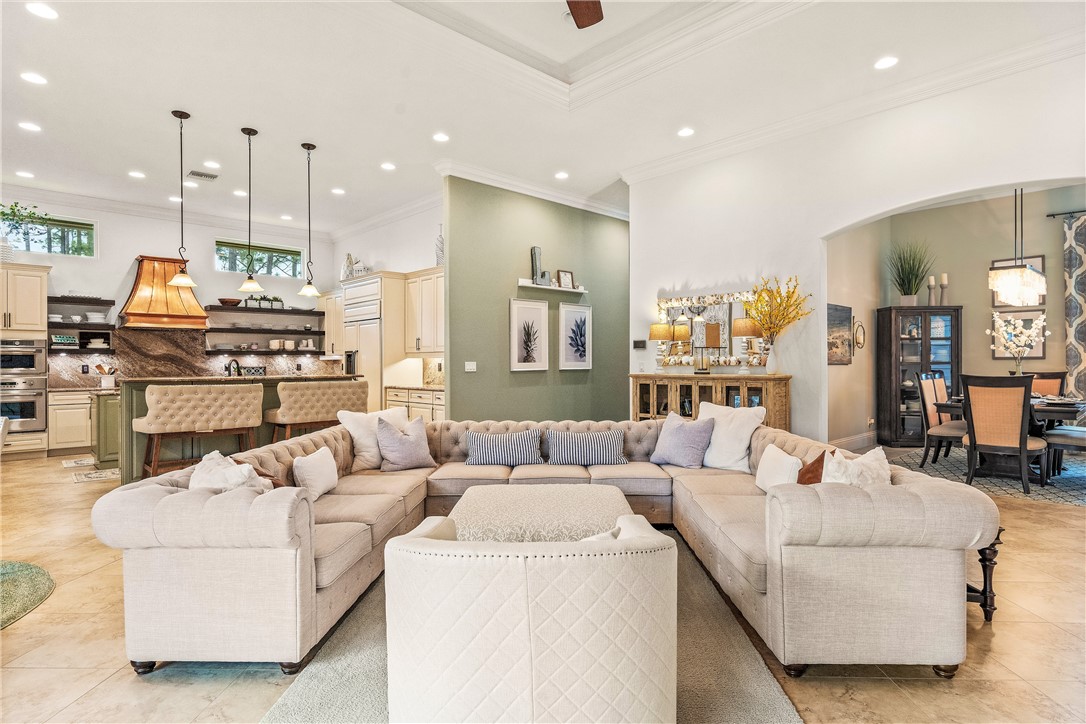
(548, 474)
(412, 488)
(316, 472)
(404, 449)
(675, 471)
(455, 478)
(777, 468)
(729, 447)
(633, 478)
(363, 429)
(603, 447)
(682, 442)
(381, 512)
(337, 547)
(723, 483)
(738, 532)
(509, 448)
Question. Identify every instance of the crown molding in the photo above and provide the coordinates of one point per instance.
(682, 39)
(448, 167)
(91, 203)
(391, 216)
(1026, 57)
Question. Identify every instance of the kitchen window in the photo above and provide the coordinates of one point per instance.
(71, 238)
(233, 256)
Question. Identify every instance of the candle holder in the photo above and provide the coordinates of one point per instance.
(931, 294)
(944, 296)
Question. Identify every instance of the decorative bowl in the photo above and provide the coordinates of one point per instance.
(226, 302)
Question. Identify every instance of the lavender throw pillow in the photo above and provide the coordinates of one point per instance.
(683, 442)
(403, 450)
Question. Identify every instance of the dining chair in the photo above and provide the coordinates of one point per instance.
(997, 414)
(939, 428)
(1049, 383)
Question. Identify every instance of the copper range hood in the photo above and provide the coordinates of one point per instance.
(155, 305)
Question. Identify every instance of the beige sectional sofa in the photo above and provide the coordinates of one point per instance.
(829, 573)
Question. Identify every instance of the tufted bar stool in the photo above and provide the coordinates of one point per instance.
(192, 411)
(315, 404)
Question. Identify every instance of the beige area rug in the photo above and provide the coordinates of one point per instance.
(96, 476)
(722, 678)
(77, 462)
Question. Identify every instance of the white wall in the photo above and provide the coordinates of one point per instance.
(726, 222)
(403, 244)
(124, 231)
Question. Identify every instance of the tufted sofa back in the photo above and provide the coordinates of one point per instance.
(801, 447)
(449, 443)
(277, 460)
(200, 408)
(319, 401)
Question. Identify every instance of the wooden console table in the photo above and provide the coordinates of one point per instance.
(654, 395)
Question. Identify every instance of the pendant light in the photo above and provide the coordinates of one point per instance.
(309, 290)
(182, 278)
(1018, 285)
(250, 285)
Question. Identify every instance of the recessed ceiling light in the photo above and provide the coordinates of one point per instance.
(212, 164)
(137, 174)
(441, 137)
(286, 217)
(24, 174)
(338, 192)
(28, 126)
(175, 199)
(388, 166)
(43, 11)
(34, 78)
(686, 131)
(883, 63)
(190, 184)
(239, 192)
(561, 175)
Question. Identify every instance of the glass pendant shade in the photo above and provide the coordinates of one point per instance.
(181, 279)
(309, 291)
(1019, 286)
(250, 285)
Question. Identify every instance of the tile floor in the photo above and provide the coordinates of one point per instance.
(65, 661)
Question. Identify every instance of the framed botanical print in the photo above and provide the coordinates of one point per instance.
(575, 336)
(528, 335)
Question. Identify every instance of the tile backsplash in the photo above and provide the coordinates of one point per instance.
(433, 372)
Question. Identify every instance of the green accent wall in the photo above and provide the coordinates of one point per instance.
(489, 234)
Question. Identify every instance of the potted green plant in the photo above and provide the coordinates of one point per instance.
(277, 302)
(265, 301)
(16, 220)
(909, 265)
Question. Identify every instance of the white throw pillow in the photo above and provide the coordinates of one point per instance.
(363, 429)
(869, 470)
(777, 468)
(217, 471)
(729, 447)
(316, 472)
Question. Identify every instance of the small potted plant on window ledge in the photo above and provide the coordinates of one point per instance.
(277, 302)
(251, 301)
(909, 265)
(265, 301)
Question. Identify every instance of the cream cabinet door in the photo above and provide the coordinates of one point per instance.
(426, 412)
(427, 310)
(25, 295)
(412, 316)
(439, 413)
(439, 313)
(333, 324)
(69, 426)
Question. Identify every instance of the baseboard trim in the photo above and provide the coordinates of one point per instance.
(855, 442)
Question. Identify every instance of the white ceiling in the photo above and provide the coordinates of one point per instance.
(372, 82)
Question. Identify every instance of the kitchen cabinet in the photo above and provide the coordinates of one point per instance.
(69, 420)
(373, 332)
(424, 312)
(332, 304)
(106, 431)
(24, 293)
(429, 404)
(26, 442)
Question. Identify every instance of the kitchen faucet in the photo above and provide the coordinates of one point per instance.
(232, 366)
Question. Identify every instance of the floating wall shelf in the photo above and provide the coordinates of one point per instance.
(529, 284)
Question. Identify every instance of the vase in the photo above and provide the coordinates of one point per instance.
(1017, 366)
(772, 367)
(907, 300)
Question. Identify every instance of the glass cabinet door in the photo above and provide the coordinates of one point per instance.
(685, 403)
(660, 400)
(940, 347)
(704, 393)
(911, 333)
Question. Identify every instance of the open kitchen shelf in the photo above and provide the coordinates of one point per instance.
(82, 350)
(265, 352)
(258, 310)
(259, 330)
(82, 326)
(82, 301)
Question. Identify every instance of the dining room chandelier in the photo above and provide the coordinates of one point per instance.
(250, 285)
(309, 290)
(1020, 284)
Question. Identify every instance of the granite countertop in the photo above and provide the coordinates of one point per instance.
(104, 391)
(254, 378)
(425, 388)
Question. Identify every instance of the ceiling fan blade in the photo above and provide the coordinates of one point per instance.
(585, 12)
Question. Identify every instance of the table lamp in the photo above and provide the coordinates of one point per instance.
(747, 327)
(662, 334)
(682, 334)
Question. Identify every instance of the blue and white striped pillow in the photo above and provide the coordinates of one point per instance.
(510, 448)
(586, 448)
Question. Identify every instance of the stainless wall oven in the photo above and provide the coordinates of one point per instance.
(22, 400)
(23, 357)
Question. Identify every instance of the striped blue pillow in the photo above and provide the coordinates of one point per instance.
(510, 448)
(586, 448)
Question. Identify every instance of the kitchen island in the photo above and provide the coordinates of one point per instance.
(134, 404)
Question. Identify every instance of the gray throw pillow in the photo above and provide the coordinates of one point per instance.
(683, 442)
(403, 450)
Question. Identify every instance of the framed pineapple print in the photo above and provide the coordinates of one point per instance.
(575, 336)
(528, 335)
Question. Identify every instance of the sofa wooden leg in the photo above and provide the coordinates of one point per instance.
(291, 669)
(945, 672)
(143, 667)
(796, 670)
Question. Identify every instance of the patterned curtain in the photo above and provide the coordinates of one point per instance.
(1074, 275)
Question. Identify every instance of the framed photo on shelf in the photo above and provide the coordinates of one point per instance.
(1037, 262)
(565, 279)
(575, 336)
(1027, 317)
(528, 335)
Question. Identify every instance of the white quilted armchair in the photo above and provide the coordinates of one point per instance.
(531, 632)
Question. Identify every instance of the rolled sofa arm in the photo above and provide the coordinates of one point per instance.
(158, 513)
(917, 511)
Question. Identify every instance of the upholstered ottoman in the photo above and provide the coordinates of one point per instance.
(535, 513)
(578, 624)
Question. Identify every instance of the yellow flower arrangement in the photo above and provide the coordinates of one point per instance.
(776, 305)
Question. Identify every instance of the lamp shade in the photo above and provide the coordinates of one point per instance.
(682, 332)
(1020, 285)
(660, 332)
(746, 327)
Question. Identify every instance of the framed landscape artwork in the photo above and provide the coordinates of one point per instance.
(575, 336)
(1027, 317)
(527, 335)
(838, 334)
(1037, 262)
